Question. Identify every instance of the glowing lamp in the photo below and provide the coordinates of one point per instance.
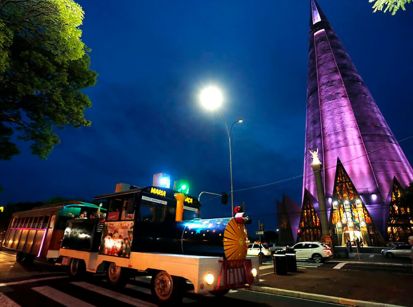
(182, 186)
(162, 180)
(373, 197)
(254, 272)
(211, 97)
(209, 278)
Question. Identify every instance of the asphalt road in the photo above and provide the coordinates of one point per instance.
(60, 290)
(46, 285)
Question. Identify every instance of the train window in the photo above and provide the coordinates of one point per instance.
(128, 209)
(14, 222)
(44, 221)
(153, 213)
(71, 212)
(31, 222)
(115, 207)
(146, 213)
(35, 223)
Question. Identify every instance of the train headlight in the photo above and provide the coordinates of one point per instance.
(209, 278)
(254, 272)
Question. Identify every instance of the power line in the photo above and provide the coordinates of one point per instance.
(301, 176)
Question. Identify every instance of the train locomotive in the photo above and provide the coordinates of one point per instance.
(158, 231)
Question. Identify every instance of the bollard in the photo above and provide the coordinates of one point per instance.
(291, 261)
(280, 263)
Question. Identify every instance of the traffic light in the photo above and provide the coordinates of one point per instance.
(182, 186)
(224, 198)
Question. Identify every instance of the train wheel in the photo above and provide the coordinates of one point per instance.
(167, 289)
(77, 268)
(117, 276)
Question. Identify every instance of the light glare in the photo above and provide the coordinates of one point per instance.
(211, 98)
(254, 272)
(209, 278)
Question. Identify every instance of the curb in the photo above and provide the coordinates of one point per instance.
(372, 263)
(320, 297)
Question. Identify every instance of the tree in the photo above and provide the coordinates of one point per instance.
(389, 5)
(44, 65)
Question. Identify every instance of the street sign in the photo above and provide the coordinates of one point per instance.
(259, 232)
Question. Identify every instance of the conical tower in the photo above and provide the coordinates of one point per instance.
(344, 122)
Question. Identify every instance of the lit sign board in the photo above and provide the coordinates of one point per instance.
(159, 192)
(189, 200)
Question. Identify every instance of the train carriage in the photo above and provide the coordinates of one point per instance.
(38, 233)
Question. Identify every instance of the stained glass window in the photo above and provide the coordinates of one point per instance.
(350, 219)
(400, 220)
(309, 227)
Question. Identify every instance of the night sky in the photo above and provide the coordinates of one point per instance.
(153, 57)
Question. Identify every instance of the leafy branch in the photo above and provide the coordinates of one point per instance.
(391, 6)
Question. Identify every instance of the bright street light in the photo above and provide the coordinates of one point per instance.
(211, 97)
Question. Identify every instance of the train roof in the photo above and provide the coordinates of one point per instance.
(56, 206)
(168, 193)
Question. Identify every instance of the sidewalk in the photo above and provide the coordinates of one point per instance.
(350, 287)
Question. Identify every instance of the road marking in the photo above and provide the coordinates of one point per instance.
(112, 294)
(7, 302)
(266, 274)
(28, 281)
(264, 267)
(60, 297)
(340, 265)
(376, 263)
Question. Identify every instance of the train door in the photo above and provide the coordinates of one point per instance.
(155, 226)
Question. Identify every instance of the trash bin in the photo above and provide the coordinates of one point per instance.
(291, 260)
(280, 263)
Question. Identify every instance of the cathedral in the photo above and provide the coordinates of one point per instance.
(365, 173)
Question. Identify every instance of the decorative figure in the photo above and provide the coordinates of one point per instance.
(314, 156)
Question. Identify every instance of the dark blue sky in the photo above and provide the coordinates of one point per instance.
(153, 57)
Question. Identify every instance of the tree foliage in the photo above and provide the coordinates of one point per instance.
(44, 65)
(391, 6)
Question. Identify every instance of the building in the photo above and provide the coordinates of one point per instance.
(364, 167)
(287, 211)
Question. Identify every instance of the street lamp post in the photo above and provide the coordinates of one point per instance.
(211, 99)
(229, 134)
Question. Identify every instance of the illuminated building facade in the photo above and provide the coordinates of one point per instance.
(360, 155)
(310, 226)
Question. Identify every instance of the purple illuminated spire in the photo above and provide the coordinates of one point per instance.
(344, 122)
